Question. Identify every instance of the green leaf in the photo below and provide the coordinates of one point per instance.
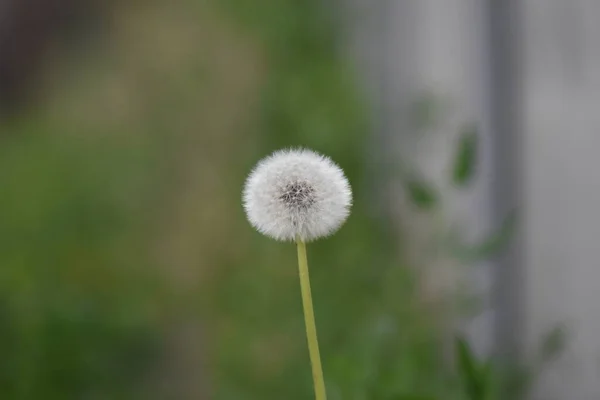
(489, 246)
(421, 194)
(553, 343)
(491, 380)
(466, 157)
(469, 370)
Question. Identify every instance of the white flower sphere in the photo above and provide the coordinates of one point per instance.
(297, 194)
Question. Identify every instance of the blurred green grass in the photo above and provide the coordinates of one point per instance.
(120, 210)
(77, 314)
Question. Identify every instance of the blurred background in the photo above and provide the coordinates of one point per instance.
(468, 130)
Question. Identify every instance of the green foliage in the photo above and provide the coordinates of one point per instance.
(489, 246)
(75, 318)
(476, 377)
(426, 197)
(494, 379)
(466, 157)
(552, 344)
(422, 195)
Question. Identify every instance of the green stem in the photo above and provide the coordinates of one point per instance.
(309, 319)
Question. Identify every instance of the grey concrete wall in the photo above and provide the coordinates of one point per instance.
(405, 50)
(528, 72)
(561, 142)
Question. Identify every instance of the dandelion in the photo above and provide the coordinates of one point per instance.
(299, 195)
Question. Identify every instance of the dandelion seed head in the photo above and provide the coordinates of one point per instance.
(297, 194)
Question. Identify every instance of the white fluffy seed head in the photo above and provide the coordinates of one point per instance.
(297, 194)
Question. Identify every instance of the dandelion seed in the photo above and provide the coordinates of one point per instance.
(297, 194)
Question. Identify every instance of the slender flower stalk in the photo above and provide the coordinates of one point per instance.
(309, 320)
(299, 195)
